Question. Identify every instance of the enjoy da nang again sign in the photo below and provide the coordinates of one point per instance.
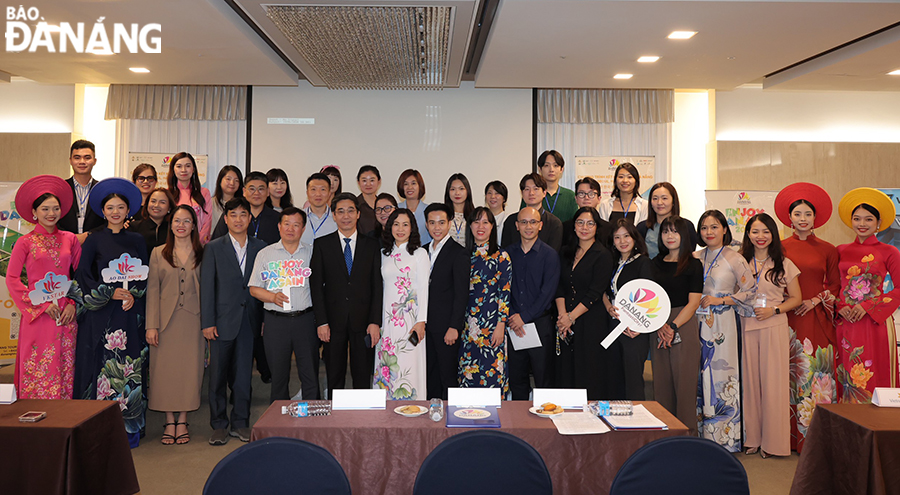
(285, 273)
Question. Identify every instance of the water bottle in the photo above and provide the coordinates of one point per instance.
(436, 410)
(296, 409)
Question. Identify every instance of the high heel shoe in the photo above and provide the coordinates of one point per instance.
(751, 451)
(765, 455)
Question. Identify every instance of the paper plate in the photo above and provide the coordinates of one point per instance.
(399, 410)
(534, 410)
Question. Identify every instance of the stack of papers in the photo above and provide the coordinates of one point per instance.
(578, 423)
(640, 420)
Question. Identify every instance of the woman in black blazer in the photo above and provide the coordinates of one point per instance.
(587, 268)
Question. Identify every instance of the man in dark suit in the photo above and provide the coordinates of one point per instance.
(534, 188)
(346, 291)
(448, 294)
(81, 219)
(228, 314)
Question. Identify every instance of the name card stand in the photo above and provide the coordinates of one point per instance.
(474, 397)
(568, 398)
(360, 399)
(886, 397)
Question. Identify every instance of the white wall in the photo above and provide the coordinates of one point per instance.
(824, 116)
(690, 136)
(483, 133)
(27, 106)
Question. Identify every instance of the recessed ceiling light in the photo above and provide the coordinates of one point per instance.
(894, 73)
(623, 76)
(682, 35)
(139, 70)
(646, 59)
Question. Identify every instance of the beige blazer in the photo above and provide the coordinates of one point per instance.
(163, 289)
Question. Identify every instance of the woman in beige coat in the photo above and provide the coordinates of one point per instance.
(173, 325)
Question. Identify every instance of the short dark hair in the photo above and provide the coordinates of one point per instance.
(222, 173)
(556, 156)
(292, 210)
(368, 168)
(237, 202)
(406, 175)
(344, 196)
(288, 199)
(676, 204)
(568, 251)
(685, 250)
(500, 188)
(318, 176)
(388, 196)
(256, 175)
(639, 245)
(536, 178)
(722, 220)
(591, 182)
(140, 168)
(82, 144)
(333, 171)
(439, 207)
(493, 242)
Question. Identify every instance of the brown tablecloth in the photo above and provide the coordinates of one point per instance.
(79, 448)
(381, 451)
(852, 449)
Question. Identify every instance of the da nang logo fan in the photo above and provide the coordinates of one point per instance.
(643, 307)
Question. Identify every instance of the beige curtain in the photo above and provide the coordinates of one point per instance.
(605, 106)
(150, 102)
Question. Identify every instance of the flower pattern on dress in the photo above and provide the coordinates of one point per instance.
(481, 364)
(812, 378)
(863, 283)
(854, 381)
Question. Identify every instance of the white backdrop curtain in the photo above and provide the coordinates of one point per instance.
(606, 122)
(224, 141)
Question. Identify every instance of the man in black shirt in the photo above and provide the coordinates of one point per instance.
(534, 188)
(264, 220)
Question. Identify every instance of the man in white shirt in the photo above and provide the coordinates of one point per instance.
(319, 220)
(280, 279)
(81, 219)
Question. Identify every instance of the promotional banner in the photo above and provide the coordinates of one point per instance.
(12, 227)
(602, 169)
(160, 161)
(739, 206)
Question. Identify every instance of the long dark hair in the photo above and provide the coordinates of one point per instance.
(775, 275)
(145, 214)
(726, 240)
(196, 188)
(569, 250)
(387, 235)
(469, 207)
(168, 250)
(333, 171)
(493, 244)
(676, 205)
(640, 247)
(677, 224)
(631, 169)
(222, 173)
(287, 200)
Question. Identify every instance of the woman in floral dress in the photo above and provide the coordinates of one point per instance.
(867, 356)
(482, 353)
(804, 207)
(728, 288)
(111, 353)
(405, 268)
(45, 355)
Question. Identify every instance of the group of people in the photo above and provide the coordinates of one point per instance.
(417, 298)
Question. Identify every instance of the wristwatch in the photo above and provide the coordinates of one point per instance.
(777, 310)
(673, 326)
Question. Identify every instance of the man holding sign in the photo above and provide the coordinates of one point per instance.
(280, 279)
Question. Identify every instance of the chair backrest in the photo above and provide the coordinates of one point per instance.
(278, 465)
(676, 465)
(510, 465)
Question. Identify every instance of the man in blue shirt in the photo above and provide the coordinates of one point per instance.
(535, 276)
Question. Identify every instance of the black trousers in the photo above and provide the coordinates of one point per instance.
(286, 335)
(441, 364)
(362, 359)
(538, 360)
(634, 354)
(231, 364)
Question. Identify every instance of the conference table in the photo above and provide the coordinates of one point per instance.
(79, 448)
(850, 449)
(381, 451)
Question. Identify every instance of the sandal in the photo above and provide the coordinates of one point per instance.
(184, 436)
(765, 455)
(166, 438)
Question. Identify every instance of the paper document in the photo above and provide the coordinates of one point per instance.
(642, 419)
(579, 423)
(529, 341)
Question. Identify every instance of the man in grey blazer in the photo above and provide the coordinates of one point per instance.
(228, 315)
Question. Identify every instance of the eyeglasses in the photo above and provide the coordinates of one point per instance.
(146, 178)
(531, 222)
(185, 221)
(585, 223)
(384, 209)
(587, 194)
(255, 190)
